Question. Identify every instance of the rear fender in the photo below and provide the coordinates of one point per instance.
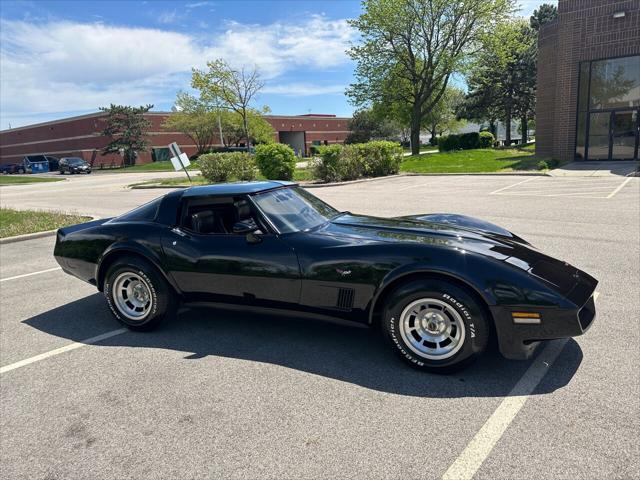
(124, 248)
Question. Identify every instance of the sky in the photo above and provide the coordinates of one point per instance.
(64, 58)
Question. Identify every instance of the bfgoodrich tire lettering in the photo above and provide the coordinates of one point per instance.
(137, 295)
(435, 325)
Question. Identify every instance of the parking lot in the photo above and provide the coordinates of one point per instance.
(218, 394)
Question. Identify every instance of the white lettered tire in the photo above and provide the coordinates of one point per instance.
(138, 296)
(435, 325)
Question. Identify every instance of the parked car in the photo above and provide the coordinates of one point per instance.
(73, 165)
(437, 285)
(7, 168)
(54, 163)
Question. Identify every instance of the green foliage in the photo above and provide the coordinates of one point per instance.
(127, 129)
(486, 139)
(410, 48)
(464, 141)
(367, 124)
(327, 167)
(471, 161)
(276, 161)
(547, 164)
(502, 82)
(220, 167)
(371, 159)
(545, 13)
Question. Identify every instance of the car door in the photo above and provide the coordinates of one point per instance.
(256, 269)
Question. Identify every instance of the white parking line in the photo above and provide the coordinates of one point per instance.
(29, 274)
(619, 187)
(58, 351)
(481, 445)
(510, 186)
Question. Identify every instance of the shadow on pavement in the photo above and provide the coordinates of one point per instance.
(348, 354)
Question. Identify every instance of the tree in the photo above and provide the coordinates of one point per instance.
(442, 117)
(366, 125)
(127, 128)
(423, 42)
(260, 131)
(502, 78)
(545, 13)
(236, 88)
(196, 119)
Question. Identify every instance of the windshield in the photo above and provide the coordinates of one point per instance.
(75, 161)
(294, 209)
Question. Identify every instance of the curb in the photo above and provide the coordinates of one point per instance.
(31, 236)
(27, 236)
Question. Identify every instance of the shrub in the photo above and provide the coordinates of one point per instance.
(220, 167)
(243, 165)
(315, 149)
(371, 159)
(215, 167)
(380, 158)
(449, 143)
(547, 164)
(276, 161)
(486, 139)
(464, 141)
(327, 166)
(433, 141)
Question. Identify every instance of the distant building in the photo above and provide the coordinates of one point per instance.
(81, 137)
(588, 105)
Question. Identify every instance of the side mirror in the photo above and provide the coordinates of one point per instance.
(242, 228)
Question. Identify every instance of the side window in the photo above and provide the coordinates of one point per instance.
(216, 215)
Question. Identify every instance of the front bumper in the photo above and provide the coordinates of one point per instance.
(519, 341)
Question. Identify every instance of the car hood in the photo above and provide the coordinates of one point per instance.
(461, 233)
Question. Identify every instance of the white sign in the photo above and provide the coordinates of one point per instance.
(176, 163)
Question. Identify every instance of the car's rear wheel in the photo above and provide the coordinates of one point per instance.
(435, 325)
(138, 296)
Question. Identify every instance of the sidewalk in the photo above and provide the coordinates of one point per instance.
(596, 169)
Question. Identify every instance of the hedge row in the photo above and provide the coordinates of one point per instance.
(466, 141)
(372, 159)
(275, 161)
(219, 167)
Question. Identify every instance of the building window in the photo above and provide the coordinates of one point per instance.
(608, 109)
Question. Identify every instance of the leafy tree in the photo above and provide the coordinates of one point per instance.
(367, 124)
(423, 42)
(127, 128)
(545, 13)
(502, 78)
(260, 131)
(442, 117)
(196, 119)
(235, 88)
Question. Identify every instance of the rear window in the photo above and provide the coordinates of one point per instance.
(145, 213)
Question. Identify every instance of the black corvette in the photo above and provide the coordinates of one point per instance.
(438, 285)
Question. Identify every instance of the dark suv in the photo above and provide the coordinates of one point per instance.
(73, 165)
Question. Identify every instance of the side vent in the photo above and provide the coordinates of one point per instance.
(345, 299)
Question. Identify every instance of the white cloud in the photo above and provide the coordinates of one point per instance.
(70, 66)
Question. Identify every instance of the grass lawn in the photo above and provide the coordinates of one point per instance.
(17, 179)
(19, 222)
(473, 161)
(299, 175)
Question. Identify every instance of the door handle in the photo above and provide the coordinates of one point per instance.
(179, 231)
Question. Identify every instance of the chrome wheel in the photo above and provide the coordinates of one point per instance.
(132, 296)
(432, 329)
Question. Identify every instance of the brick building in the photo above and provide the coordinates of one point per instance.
(588, 105)
(81, 136)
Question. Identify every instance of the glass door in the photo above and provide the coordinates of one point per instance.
(624, 135)
(599, 135)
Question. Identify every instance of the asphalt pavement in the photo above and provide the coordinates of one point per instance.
(229, 395)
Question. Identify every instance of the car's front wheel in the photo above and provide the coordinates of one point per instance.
(138, 296)
(435, 325)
